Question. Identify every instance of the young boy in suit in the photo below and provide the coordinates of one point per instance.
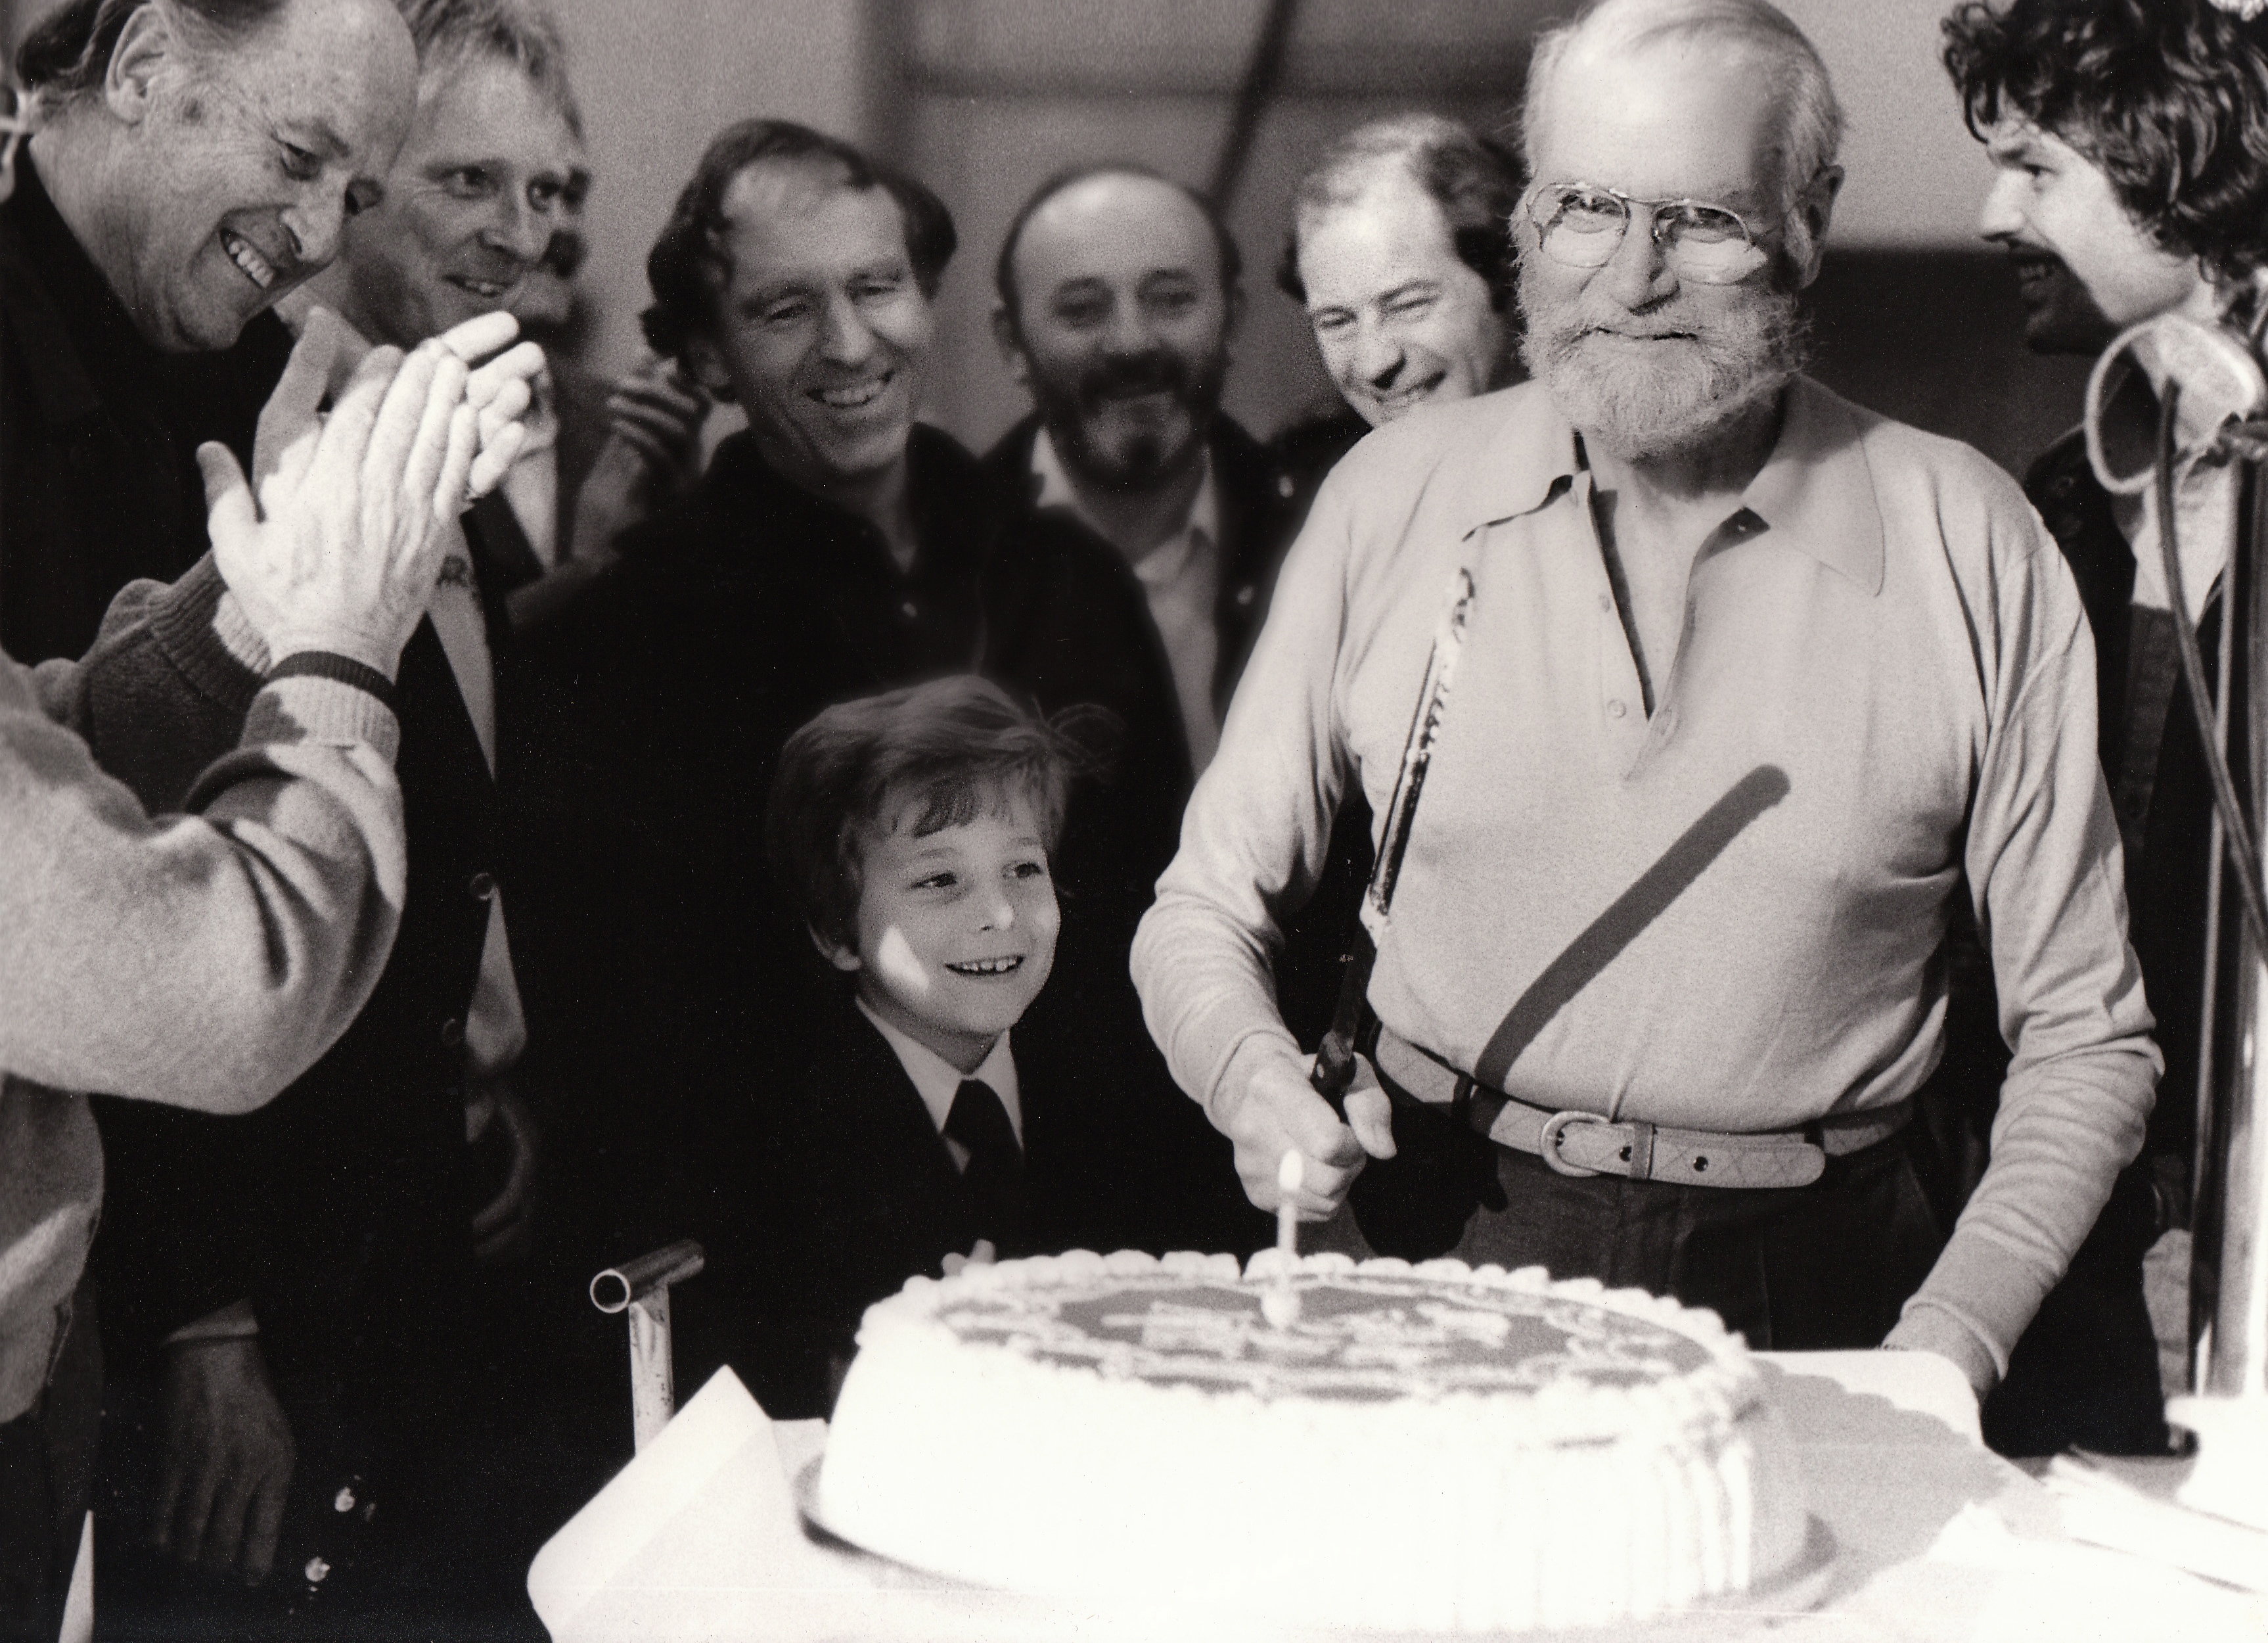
(911, 833)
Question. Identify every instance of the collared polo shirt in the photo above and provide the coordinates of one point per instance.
(1730, 915)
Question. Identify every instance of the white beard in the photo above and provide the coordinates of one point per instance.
(1647, 400)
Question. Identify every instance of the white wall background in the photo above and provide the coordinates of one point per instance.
(1916, 175)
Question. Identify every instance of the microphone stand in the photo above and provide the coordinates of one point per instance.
(2227, 1406)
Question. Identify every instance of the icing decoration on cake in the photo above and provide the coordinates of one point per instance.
(1434, 1447)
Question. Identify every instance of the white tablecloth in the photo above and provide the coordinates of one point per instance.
(697, 1540)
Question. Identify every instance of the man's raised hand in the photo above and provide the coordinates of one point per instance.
(329, 352)
(341, 551)
(498, 389)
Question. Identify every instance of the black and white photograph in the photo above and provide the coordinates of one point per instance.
(1118, 821)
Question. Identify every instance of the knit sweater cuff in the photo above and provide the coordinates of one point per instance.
(306, 708)
(187, 619)
(1930, 1329)
(1977, 1289)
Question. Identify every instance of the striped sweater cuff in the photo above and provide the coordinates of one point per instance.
(331, 664)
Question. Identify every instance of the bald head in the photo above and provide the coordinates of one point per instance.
(1117, 293)
(1092, 182)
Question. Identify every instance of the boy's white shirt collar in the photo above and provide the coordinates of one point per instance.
(938, 1080)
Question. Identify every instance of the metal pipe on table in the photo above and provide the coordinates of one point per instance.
(641, 1287)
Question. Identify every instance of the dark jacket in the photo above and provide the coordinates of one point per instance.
(99, 482)
(342, 1209)
(2154, 764)
(509, 560)
(1253, 533)
(1121, 663)
(675, 680)
(1263, 500)
(865, 1196)
(660, 701)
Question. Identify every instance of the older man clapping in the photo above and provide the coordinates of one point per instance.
(204, 961)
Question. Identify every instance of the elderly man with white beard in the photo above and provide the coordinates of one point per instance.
(1691, 699)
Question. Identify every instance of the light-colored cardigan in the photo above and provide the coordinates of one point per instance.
(203, 960)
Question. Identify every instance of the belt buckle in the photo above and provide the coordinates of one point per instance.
(1548, 1142)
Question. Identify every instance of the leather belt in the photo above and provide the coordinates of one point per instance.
(1585, 1144)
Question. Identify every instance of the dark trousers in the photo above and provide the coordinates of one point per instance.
(384, 1538)
(1801, 1269)
(47, 1477)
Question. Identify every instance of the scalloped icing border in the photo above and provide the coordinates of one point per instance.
(1725, 1391)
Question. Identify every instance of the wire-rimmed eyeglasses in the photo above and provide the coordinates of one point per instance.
(1582, 224)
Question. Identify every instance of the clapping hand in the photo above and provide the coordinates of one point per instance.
(342, 550)
(498, 387)
(653, 450)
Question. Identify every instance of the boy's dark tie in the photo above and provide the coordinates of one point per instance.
(995, 1172)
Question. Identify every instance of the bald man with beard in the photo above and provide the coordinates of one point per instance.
(1749, 685)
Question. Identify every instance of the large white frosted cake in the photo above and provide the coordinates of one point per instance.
(1428, 1448)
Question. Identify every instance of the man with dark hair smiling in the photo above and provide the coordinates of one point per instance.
(2127, 139)
(1401, 252)
(835, 538)
(850, 547)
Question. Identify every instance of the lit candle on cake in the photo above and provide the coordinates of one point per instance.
(1280, 1306)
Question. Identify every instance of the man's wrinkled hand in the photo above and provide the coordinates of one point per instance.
(228, 1460)
(343, 549)
(498, 385)
(1271, 1109)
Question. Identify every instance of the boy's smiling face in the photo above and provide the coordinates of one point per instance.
(956, 928)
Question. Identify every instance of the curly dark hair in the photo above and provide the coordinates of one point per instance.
(1476, 181)
(2169, 97)
(688, 265)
